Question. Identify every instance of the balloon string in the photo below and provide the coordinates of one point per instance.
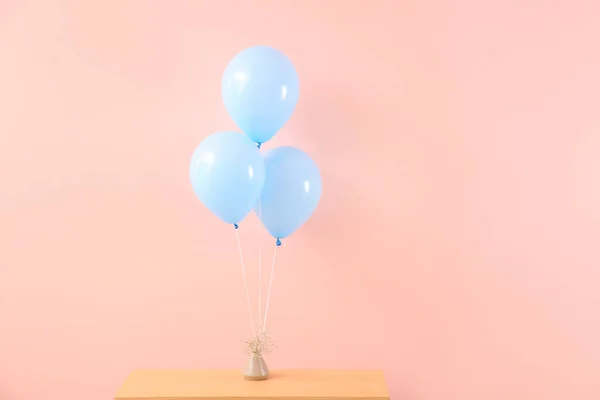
(237, 235)
(259, 272)
(277, 244)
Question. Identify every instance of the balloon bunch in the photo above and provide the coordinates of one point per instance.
(228, 172)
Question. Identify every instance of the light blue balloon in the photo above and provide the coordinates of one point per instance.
(227, 173)
(260, 89)
(291, 192)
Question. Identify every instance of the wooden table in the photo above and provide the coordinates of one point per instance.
(230, 385)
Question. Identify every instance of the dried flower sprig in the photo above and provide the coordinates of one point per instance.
(260, 344)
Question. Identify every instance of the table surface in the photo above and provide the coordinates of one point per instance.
(230, 385)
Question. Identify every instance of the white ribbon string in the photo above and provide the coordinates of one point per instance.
(237, 235)
(259, 284)
(259, 276)
(270, 284)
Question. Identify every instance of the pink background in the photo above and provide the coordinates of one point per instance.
(457, 244)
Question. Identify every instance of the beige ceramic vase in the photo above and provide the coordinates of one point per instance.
(257, 369)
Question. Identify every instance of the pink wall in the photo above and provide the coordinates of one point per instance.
(457, 244)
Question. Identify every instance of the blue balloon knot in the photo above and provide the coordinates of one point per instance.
(236, 226)
(258, 145)
(278, 242)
